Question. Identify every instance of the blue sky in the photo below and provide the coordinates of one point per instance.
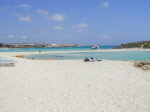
(106, 22)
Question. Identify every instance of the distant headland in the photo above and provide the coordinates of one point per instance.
(38, 45)
(34, 45)
(143, 44)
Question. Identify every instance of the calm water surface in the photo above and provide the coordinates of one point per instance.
(53, 49)
(128, 55)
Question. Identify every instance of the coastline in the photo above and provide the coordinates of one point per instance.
(97, 50)
(73, 85)
(14, 54)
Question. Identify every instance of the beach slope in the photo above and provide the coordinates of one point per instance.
(73, 86)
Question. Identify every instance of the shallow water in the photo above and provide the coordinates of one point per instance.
(127, 55)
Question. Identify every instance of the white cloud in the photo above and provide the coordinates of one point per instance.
(22, 18)
(105, 36)
(105, 4)
(24, 37)
(42, 12)
(25, 6)
(57, 17)
(10, 36)
(79, 30)
(81, 25)
(58, 28)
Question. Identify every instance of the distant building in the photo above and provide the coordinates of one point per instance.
(53, 44)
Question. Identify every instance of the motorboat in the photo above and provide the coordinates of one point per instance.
(95, 47)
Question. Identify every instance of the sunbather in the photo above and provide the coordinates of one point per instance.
(86, 59)
(92, 60)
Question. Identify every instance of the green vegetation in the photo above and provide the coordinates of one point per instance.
(1, 45)
(36, 45)
(145, 44)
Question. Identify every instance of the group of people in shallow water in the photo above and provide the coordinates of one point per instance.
(91, 60)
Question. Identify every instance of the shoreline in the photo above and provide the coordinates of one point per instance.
(45, 52)
(14, 54)
(97, 50)
(72, 85)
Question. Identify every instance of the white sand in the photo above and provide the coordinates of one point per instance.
(73, 86)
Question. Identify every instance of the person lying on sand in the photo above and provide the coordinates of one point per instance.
(91, 60)
(86, 59)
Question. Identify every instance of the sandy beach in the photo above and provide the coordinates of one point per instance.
(73, 86)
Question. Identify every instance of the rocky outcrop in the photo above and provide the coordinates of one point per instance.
(35, 59)
(132, 61)
(7, 64)
(20, 56)
(145, 65)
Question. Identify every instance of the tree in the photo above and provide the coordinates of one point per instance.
(1, 45)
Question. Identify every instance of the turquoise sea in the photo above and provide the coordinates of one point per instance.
(110, 55)
(115, 55)
(53, 49)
